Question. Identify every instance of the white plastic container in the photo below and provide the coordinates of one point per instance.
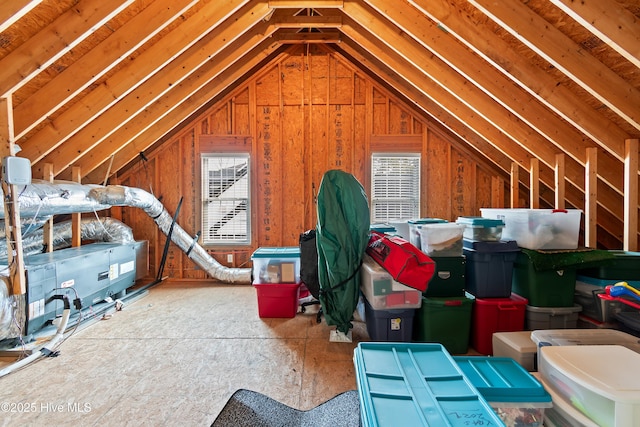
(602, 381)
(516, 345)
(562, 413)
(585, 337)
(539, 228)
(276, 265)
(384, 293)
(443, 239)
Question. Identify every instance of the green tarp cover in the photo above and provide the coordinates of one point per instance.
(342, 235)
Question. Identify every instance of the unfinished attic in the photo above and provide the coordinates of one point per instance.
(164, 161)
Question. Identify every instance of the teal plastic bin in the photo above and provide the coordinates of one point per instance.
(416, 384)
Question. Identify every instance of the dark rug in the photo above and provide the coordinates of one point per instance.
(247, 408)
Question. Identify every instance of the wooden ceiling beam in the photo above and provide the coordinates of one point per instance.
(613, 24)
(561, 52)
(308, 38)
(155, 86)
(53, 41)
(457, 86)
(479, 38)
(512, 97)
(231, 73)
(135, 72)
(12, 11)
(283, 19)
(305, 4)
(96, 63)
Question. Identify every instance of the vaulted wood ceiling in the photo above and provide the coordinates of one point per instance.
(93, 83)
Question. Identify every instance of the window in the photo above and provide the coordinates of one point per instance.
(225, 199)
(395, 187)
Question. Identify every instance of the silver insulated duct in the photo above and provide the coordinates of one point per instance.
(41, 199)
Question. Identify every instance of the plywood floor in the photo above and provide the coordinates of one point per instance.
(174, 357)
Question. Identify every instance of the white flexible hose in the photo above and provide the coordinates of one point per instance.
(48, 348)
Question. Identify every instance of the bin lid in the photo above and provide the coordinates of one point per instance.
(502, 379)
(426, 221)
(281, 252)
(479, 221)
(449, 301)
(382, 228)
(546, 337)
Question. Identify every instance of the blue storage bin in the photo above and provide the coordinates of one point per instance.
(416, 384)
(517, 397)
(489, 268)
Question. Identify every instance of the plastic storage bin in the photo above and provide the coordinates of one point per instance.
(551, 317)
(489, 268)
(625, 266)
(517, 345)
(601, 310)
(414, 229)
(543, 288)
(446, 321)
(600, 380)
(384, 293)
(585, 337)
(448, 279)
(276, 265)
(416, 384)
(389, 325)
(539, 228)
(629, 321)
(444, 239)
(481, 229)
(492, 315)
(277, 299)
(517, 397)
(563, 413)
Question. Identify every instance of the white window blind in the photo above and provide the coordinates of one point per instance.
(225, 199)
(395, 187)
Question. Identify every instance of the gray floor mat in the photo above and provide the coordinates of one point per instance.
(247, 408)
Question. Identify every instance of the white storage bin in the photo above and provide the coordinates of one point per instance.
(276, 265)
(602, 381)
(539, 228)
(384, 293)
(516, 345)
(562, 413)
(442, 239)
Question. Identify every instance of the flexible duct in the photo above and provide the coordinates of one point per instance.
(41, 199)
(116, 195)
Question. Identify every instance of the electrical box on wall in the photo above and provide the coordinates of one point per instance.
(16, 170)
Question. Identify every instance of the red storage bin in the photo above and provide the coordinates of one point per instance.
(496, 315)
(277, 299)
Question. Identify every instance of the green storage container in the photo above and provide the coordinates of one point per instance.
(625, 266)
(543, 288)
(448, 280)
(446, 321)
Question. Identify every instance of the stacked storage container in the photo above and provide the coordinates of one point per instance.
(489, 271)
(547, 285)
(623, 267)
(276, 278)
(445, 305)
(389, 306)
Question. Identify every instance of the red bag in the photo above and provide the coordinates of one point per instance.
(404, 262)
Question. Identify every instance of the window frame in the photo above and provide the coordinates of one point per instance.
(205, 221)
(415, 179)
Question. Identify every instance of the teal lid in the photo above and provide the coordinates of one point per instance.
(426, 221)
(383, 228)
(479, 221)
(282, 252)
(502, 379)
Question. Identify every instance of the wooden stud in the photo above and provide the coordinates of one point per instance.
(76, 233)
(13, 232)
(534, 183)
(630, 238)
(497, 192)
(47, 238)
(515, 185)
(559, 181)
(591, 198)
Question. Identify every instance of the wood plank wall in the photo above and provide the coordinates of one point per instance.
(307, 112)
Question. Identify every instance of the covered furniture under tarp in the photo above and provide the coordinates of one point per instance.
(342, 235)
